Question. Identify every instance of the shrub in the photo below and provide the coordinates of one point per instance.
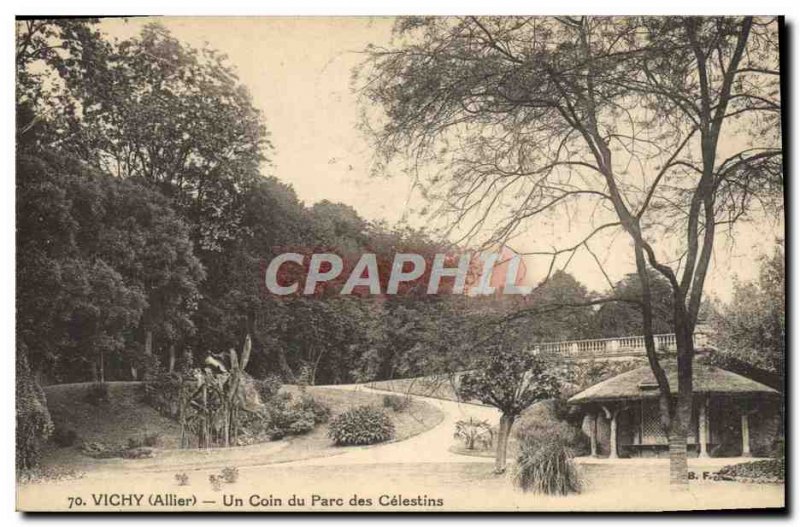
(97, 394)
(396, 402)
(762, 471)
(545, 421)
(148, 440)
(474, 432)
(32, 417)
(230, 474)
(64, 437)
(285, 417)
(363, 425)
(320, 411)
(546, 467)
(268, 387)
(302, 424)
(138, 453)
(151, 439)
(182, 479)
(100, 450)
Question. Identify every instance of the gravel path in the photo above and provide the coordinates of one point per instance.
(431, 446)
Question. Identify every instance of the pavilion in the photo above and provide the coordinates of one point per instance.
(732, 415)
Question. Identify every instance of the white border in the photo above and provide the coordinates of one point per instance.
(311, 8)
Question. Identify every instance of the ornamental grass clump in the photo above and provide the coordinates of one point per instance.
(547, 467)
(362, 425)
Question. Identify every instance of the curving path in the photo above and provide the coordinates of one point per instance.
(431, 446)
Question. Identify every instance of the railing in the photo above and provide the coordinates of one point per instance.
(612, 347)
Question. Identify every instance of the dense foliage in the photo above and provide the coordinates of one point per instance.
(33, 419)
(751, 328)
(362, 425)
(549, 421)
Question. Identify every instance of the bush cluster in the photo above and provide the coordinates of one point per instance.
(268, 387)
(286, 416)
(362, 425)
(397, 403)
(145, 440)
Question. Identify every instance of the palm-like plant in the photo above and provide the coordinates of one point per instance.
(473, 431)
(212, 403)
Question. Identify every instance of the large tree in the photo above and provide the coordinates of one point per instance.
(95, 256)
(661, 128)
(153, 110)
(751, 328)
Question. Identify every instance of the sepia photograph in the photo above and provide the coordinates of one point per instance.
(426, 264)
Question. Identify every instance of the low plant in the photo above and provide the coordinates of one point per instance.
(362, 425)
(216, 482)
(182, 479)
(285, 417)
(268, 387)
(547, 467)
(230, 474)
(142, 452)
(320, 411)
(396, 403)
(474, 433)
(151, 439)
(761, 471)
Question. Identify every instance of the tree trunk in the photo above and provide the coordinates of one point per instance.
(506, 422)
(148, 342)
(678, 458)
(682, 416)
(171, 358)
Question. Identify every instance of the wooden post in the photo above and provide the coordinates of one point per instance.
(593, 434)
(703, 425)
(745, 435)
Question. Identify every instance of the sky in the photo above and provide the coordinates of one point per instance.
(298, 71)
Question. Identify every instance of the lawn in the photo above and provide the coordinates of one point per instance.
(435, 386)
(415, 419)
(126, 416)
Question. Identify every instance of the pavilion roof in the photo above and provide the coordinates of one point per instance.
(641, 383)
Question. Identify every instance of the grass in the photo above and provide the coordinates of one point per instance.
(435, 386)
(126, 415)
(417, 418)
